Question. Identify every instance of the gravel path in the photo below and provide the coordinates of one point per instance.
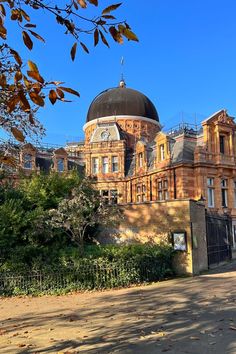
(188, 315)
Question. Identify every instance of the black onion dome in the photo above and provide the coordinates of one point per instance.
(121, 101)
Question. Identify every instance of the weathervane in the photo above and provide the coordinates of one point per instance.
(122, 81)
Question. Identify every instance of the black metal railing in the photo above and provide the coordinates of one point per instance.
(86, 276)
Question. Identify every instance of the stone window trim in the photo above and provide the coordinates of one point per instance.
(222, 144)
(28, 161)
(95, 165)
(110, 196)
(60, 163)
(162, 189)
(224, 192)
(141, 192)
(162, 152)
(105, 164)
(210, 192)
(140, 159)
(115, 163)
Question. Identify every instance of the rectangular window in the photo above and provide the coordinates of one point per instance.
(162, 190)
(141, 193)
(60, 165)
(105, 165)
(222, 144)
(114, 163)
(105, 196)
(224, 199)
(162, 152)
(160, 195)
(95, 164)
(210, 192)
(140, 159)
(28, 161)
(113, 196)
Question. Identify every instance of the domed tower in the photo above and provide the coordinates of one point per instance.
(130, 111)
(118, 121)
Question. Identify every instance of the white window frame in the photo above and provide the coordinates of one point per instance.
(95, 165)
(210, 192)
(105, 164)
(115, 164)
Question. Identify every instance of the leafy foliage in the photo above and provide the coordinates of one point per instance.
(84, 208)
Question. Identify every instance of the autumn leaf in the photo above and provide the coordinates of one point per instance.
(130, 35)
(32, 66)
(3, 80)
(116, 35)
(52, 96)
(104, 39)
(30, 25)
(18, 134)
(25, 15)
(93, 2)
(96, 37)
(18, 76)
(37, 99)
(31, 119)
(109, 17)
(3, 32)
(36, 35)
(23, 101)
(36, 76)
(27, 40)
(16, 56)
(110, 8)
(82, 3)
(2, 10)
(84, 47)
(60, 93)
(73, 51)
(12, 103)
(8, 160)
(67, 89)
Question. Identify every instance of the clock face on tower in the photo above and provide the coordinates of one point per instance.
(105, 135)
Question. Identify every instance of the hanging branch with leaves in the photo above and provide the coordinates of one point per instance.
(24, 91)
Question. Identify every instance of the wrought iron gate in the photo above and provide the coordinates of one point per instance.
(218, 230)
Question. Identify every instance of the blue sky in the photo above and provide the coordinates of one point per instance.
(185, 62)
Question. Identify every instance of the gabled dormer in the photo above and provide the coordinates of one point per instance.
(141, 156)
(60, 160)
(28, 157)
(162, 148)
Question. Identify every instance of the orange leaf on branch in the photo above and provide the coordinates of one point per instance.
(18, 134)
(27, 40)
(36, 76)
(37, 99)
(73, 51)
(84, 47)
(110, 8)
(52, 96)
(69, 90)
(36, 35)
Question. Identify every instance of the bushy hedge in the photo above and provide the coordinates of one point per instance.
(32, 271)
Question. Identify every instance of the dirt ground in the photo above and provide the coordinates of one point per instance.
(188, 315)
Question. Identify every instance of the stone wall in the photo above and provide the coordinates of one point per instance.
(154, 223)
